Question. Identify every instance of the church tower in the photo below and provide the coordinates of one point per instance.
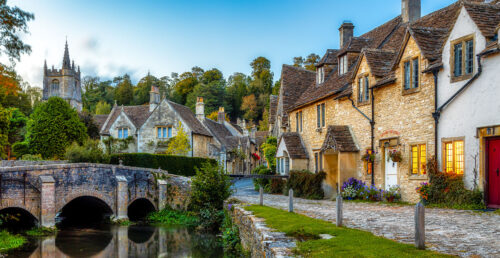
(64, 82)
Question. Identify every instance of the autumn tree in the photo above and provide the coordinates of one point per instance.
(298, 61)
(179, 144)
(249, 106)
(186, 84)
(311, 61)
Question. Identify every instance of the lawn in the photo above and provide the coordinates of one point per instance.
(9, 241)
(345, 243)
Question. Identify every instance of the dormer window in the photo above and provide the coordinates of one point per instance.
(343, 64)
(462, 58)
(320, 75)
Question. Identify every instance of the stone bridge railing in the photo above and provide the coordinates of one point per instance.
(45, 190)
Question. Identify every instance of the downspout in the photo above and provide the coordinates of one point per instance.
(435, 115)
(192, 144)
(372, 125)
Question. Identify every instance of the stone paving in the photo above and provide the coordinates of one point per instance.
(463, 233)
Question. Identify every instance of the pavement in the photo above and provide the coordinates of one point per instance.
(455, 232)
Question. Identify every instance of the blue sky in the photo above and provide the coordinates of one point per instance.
(110, 38)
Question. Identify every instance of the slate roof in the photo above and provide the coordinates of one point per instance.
(189, 117)
(486, 16)
(330, 58)
(294, 145)
(260, 137)
(137, 115)
(294, 81)
(430, 40)
(273, 108)
(379, 61)
(339, 138)
(219, 131)
(100, 120)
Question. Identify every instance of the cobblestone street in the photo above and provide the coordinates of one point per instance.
(463, 233)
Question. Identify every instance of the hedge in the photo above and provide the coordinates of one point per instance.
(306, 184)
(178, 165)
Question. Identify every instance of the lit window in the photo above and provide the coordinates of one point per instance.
(411, 71)
(463, 58)
(122, 133)
(163, 132)
(454, 157)
(418, 159)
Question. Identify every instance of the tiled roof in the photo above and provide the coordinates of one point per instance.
(430, 40)
(294, 145)
(137, 115)
(492, 48)
(330, 58)
(486, 16)
(339, 138)
(100, 120)
(219, 131)
(260, 137)
(188, 116)
(273, 108)
(294, 81)
(379, 61)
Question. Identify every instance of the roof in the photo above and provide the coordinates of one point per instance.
(330, 58)
(189, 117)
(294, 81)
(137, 115)
(260, 137)
(485, 15)
(219, 131)
(294, 145)
(339, 138)
(379, 61)
(273, 108)
(430, 40)
(100, 120)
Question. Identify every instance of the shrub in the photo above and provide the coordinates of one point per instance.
(90, 151)
(178, 165)
(353, 189)
(20, 148)
(258, 182)
(210, 187)
(31, 157)
(393, 194)
(371, 193)
(306, 184)
(169, 216)
(230, 236)
(277, 186)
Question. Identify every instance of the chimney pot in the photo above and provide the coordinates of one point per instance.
(200, 108)
(346, 33)
(221, 116)
(410, 10)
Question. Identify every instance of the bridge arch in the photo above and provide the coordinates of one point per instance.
(82, 193)
(15, 217)
(140, 207)
(85, 209)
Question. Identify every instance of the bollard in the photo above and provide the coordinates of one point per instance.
(420, 226)
(339, 211)
(290, 200)
(261, 196)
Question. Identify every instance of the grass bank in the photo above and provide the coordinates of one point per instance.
(9, 241)
(345, 242)
(174, 218)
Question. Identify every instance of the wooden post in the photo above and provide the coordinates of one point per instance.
(290, 200)
(261, 196)
(339, 211)
(420, 226)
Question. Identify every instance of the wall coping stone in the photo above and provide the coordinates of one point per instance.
(77, 165)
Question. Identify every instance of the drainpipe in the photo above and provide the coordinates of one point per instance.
(372, 126)
(192, 145)
(435, 114)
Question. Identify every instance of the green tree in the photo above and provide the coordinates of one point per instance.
(270, 147)
(179, 144)
(102, 108)
(14, 20)
(237, 89)
(276, 87)
(88, 120)
(141, 91)
(212, 88)
(311, 61)
(124, 93)
(52, 127)
(17, 128)
(4, 131)
(298, 61)
(185, 85)
(262, 77)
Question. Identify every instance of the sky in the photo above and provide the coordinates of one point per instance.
(110, 38)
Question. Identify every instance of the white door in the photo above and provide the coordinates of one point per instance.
(391, 171)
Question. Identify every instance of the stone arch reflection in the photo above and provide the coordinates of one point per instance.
(17, 219)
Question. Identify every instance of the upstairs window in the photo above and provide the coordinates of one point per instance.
(122, 133)
(298, 119)
(363, 89)
(163, 132)
(343, 64)
(411, 74)
(462, 58)
(55, 87)
(320, 75)
(320, 115)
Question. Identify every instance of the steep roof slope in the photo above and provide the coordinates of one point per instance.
(189, 117)
(294, 81)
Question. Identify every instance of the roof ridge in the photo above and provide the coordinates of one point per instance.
(299, 68)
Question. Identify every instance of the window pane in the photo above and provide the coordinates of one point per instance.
(300, 115)
(125, 133)
(318, 115)
(297, 121)
(449, 157)
(345, 64)
(170, 132)
(458, 59)
(320, 162)
(164, 135)
(323, 115)
(360, 90)
(407, 75)
(469, 56)
(316, 162)
(459, 157)
(158, 133)
(414, 159)
(415, 73)
(423, 159)
(120, 135)
(367, 86)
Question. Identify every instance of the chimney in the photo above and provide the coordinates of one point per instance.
(154, 98)
(410, 10)
(346, 33)
(253, 131)
(221, 116)
(200, 108)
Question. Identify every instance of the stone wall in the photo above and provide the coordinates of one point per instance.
(259, 239)
(22, 163)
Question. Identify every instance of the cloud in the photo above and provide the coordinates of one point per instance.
(91, 44)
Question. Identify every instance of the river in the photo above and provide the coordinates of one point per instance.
(122, 241)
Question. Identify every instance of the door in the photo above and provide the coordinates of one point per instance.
(494, 173)
(391, 171)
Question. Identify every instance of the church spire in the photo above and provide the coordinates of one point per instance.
(66, 61)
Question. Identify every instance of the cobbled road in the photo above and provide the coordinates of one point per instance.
(462, 233)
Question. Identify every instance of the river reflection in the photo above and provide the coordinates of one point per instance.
(123, 241)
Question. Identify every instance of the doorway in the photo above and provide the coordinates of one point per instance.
(493, 162)
(391, 171)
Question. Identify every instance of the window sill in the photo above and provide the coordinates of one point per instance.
(364, 103)
(411, 91)
(418, 177)
(461, 78)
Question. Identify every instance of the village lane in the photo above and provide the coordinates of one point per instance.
(463, 233)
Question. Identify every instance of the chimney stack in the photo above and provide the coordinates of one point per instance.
(200, 108)
(221, 116)
(154, 98)
(346, 33)
(410, 10)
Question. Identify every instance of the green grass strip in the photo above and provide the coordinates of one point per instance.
(346, 242)
(9, 241)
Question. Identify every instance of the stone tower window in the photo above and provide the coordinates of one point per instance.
(55, 88)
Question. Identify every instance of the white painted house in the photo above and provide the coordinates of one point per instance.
(468, 105)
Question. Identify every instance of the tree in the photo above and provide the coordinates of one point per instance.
(212, 88)
(179, 144)
(298, 61)
(269, 148)
(52, 127)
(102, 108)
(262, 77)
(276, 87)
(185, 86)
(4, 131)
(141, 91)
(17, 128)
(237, 89)
(311, 61)
(215, 116)
(124, 93)
(14, 20)
(249, 106)
(87, 119)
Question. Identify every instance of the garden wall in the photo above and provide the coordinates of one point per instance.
(23, 163)
(259, 239)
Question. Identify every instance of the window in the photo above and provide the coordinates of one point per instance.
(122, 133)
(318, 162)
(418, 159)
(55, 87)
(320, 75)
(320, 115)
(453, 156)
(163, 132)
(298, 119)
(411, 72)
(363, 89)
(343, 65)
(462, 58)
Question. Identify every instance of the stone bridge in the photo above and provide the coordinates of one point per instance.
(44, 190)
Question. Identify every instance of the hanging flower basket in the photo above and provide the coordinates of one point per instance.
(395, 156)
(368, 157)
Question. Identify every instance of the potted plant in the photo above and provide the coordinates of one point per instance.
(423, 192)
(393, 194)
(395, 156)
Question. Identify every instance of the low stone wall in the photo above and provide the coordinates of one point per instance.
(22, 163)
(179, 192)
(259, 239)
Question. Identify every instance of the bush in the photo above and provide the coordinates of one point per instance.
(306, 184)
(210, 187)
(258, 182)
(353, 189)
(31, 157)
(177, 165)
(231, 236)
(277, 186)
(91, 152)
(20, 148)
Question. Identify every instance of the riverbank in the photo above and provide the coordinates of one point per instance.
(10, 241)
